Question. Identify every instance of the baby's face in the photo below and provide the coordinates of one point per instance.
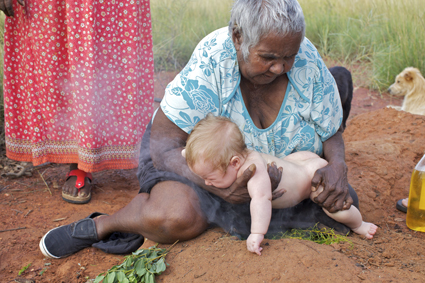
(215, 177)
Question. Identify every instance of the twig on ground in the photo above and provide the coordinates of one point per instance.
(28, 213)
(4, 188)
(59, 219)
(45, 182)
(13, 229)
(16, 182)
(18, 211)
(303, 242)
(30, 192)
(197, 276)
(186, 273)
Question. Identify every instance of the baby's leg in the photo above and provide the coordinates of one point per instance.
(293, 195)
(351, 217)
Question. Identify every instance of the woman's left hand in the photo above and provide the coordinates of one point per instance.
(275, 175)
(335, 195)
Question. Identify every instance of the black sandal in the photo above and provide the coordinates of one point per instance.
(400, 206)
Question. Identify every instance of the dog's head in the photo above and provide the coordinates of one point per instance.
(404, 82)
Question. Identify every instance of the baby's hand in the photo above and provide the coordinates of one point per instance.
(253, 243)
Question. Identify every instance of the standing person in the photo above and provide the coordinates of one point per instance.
(216, 152)
(269, 79)
(78, 85)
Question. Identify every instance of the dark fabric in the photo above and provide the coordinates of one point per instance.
(120, 243)
(236, 219)
(344, 81)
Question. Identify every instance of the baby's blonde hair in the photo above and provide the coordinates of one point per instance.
(215, 139)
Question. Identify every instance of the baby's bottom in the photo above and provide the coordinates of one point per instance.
(351, 217)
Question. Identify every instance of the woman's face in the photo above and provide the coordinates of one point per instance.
(272, 57)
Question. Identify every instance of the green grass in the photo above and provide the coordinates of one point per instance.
(383, 36)
(178, 26)
(387, 35)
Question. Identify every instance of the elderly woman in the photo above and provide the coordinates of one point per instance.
(267, 78)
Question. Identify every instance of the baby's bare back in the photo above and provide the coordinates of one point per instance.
(298, 170)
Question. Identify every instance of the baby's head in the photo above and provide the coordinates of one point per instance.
(215, 150)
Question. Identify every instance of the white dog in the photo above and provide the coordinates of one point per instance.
(410, 84)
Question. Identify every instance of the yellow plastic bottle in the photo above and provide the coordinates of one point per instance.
(415, 218)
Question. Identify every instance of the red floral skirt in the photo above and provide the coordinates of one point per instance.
(78, 82)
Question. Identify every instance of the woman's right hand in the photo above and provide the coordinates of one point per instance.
(7, 7)
(238, 191)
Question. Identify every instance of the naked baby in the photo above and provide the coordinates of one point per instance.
(216, 152)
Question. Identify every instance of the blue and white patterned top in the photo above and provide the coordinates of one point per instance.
(310, 113)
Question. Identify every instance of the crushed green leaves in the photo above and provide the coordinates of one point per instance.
(326, 236)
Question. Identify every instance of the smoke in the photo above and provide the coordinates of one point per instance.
(233, 218)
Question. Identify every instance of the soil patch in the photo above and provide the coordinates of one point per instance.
(382, 147)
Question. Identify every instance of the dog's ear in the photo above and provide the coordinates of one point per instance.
(408, 76)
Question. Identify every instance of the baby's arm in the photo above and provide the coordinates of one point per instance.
(261, 208)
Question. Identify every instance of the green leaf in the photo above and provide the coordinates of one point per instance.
(150, 278)
(160, 265)
(120, 276)
(140, 267)
(128, 262)
(152, 269)
(24, 268)
(125, 280)
(154, 254)
(144, 278)
(110, 278)
(139, 252)
(99, 278)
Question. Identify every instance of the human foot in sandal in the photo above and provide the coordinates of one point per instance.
(77, 187)
(402, 204)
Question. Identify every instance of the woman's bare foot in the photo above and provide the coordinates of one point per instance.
(366, 229)
(77, 187)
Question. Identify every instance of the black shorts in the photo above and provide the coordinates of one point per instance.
(235, 218)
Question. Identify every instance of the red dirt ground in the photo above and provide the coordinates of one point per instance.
(382, 148)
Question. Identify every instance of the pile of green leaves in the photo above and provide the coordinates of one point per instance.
(141, 266)
(325, 236)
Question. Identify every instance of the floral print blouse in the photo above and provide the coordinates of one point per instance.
(310, 113)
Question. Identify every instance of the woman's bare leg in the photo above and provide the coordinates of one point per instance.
(170, 212)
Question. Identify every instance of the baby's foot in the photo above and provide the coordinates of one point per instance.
(366, 229)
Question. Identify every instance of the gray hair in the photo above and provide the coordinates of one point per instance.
(256, 18)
